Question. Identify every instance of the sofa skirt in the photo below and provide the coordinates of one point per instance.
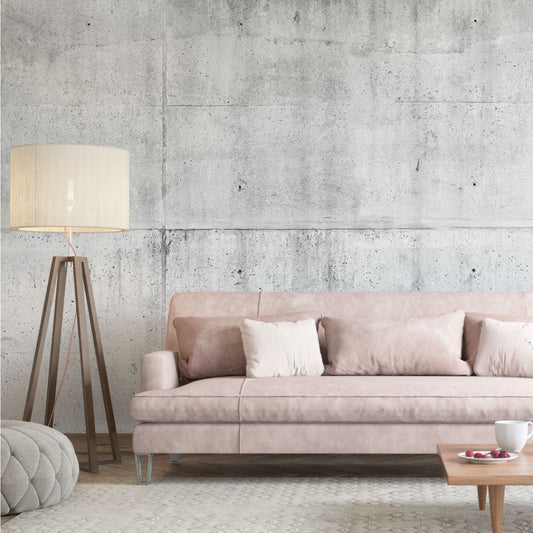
(234, 438)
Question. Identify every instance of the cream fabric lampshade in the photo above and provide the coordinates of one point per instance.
(84, 188)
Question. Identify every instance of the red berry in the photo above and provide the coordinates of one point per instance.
(469, 453)
(479, 455)
(504, 454)
(495, 454)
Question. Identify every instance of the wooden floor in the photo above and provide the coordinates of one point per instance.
(257, 466)
(271, 466)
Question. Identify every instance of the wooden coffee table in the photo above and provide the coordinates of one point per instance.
(494, 476)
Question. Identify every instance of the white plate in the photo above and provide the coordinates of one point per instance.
(491, 460)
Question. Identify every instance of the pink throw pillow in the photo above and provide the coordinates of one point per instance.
(472, 331)
(212, 346)
(420, 346)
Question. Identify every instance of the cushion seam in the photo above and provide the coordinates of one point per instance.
(239, 416)
(449, 397)
(184, 396)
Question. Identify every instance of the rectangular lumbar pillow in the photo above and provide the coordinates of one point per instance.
(281, 348)
(420, 346)
(212, 346)
(505, 349)
(472, 331)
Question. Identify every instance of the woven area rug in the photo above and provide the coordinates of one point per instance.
(300, 504)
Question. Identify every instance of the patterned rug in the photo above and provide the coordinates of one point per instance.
(333, 505)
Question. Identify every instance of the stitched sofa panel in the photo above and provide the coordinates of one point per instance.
(404, 399)
(186, 438)
(206, 400)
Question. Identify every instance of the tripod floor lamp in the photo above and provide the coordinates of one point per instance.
(74, 188)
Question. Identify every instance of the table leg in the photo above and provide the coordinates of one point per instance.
(496, 494)
(482, 496)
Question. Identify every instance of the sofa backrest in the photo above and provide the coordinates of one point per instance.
(356, 305)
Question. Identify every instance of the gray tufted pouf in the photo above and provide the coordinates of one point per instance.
(39, 466)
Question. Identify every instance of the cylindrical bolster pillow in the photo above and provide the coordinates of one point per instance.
(159, 371)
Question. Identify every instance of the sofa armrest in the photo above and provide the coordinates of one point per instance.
(159, 371)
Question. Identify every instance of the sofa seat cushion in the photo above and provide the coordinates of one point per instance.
(340, 399)
(382, 399)
(205, 400)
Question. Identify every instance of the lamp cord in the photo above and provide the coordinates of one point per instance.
(68, 240)
(69, 345)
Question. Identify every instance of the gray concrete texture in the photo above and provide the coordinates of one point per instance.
(282, 145)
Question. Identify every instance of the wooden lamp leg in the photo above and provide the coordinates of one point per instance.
(82, 289)
(41, 337)
(106, 394)
(56, 342)
(85, 365)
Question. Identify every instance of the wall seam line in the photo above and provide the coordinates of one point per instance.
(164, 246)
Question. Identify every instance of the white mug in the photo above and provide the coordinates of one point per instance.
(512, 435)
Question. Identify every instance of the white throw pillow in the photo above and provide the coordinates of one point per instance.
(505, 349)
(281, 348)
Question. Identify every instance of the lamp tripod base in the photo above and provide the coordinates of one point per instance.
(84, 302)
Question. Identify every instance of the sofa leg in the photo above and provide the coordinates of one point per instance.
(174, 457)
(138, 464)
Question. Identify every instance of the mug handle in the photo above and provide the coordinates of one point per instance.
(530, 434)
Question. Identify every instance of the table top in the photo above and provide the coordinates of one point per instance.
(460, 472)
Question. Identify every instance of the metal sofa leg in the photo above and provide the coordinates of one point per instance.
(174, 457)
(138, 464)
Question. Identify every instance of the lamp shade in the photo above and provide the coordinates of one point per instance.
(83, 188)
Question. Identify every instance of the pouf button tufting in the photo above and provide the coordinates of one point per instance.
(39, 466)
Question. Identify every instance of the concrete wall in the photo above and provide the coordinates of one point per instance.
(284, 144)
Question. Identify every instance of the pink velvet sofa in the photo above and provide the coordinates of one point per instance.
(344, 414)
